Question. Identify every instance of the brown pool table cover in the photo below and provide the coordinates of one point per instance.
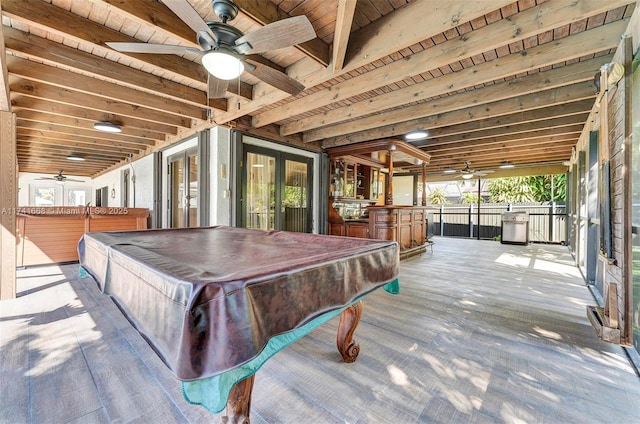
(208, 299)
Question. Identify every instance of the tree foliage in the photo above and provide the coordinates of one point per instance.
(542, 188)
(509, 190)
(438, 196)
(469, 198)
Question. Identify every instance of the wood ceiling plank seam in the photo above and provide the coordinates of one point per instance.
(541, 99)
(398, 70)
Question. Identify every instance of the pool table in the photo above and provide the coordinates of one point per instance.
(215, 303)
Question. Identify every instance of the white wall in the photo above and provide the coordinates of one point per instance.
(403, 190)
(219, 172)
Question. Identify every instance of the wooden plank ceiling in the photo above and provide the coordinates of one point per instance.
(490, 80)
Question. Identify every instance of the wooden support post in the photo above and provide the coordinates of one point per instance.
(388, 200)
(424, 184)
(8, 204)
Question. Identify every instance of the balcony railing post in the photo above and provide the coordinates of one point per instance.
(442, 220)
(471, 220)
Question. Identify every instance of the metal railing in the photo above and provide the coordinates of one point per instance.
(547, 220)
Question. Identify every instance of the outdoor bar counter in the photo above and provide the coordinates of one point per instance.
(50, 234)
(403, 224)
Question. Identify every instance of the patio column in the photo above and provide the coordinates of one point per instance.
(388, 200)
(8, 203)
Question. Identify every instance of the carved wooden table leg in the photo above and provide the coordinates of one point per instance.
(349, 319)
(239, 403)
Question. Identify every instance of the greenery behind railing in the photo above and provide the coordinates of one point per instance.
(547, 220)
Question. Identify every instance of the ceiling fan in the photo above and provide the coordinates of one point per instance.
(60, 179)
(467, 173)
(224, 48)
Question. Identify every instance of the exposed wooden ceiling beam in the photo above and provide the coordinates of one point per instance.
(344, 21)
(27, 132)
(79, 112)
(64, 23)
(93, 145)
(536, 83)
(495, 70)
(44, 120)
(87, 85)
(377, 46)
(98, 135)
(70, 58)
(504, 131)
(535, 104)
(492, 36)
(75, 98)
(576, 110)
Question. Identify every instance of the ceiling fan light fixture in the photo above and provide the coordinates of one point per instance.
(222, 65)
(416, 135)
(506, 165)
(75, 158)
(467, 176)
(109, 127)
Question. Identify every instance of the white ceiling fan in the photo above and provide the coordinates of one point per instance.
(467, 173)
(60, 179)
(224, 48)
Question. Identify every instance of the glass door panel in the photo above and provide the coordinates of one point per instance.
(176, 174)
(183, 190)
(260, 200)
(294, 199)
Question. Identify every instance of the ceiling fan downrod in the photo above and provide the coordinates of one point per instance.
(226, 10)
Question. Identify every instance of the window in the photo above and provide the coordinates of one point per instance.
(44, 196)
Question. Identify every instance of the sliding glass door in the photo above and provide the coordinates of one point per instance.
(276, 190)
(183, 189)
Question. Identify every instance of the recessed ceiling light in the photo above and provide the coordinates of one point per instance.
(506, 164)
(416, 135)
(107, 127)
(75, 157)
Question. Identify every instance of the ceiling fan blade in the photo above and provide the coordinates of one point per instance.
(279, 34)
(45, 178)
(147, 48)
(73, 181)
(274, 78)
(216, 88)
(187, 14)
